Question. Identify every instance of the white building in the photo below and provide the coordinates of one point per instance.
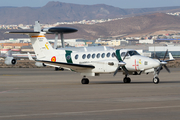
(146, 41)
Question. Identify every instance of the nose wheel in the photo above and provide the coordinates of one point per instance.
(155, 80)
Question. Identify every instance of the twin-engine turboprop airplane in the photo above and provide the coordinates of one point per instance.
(94, 61)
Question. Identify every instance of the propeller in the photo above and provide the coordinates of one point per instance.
(162, 63)
(121, 64)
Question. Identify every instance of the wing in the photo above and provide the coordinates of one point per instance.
(68, 65)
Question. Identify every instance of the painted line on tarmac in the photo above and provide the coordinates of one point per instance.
(86, 112)
(9, 75)
(8, 90)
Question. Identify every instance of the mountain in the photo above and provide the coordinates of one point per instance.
(54, 12)
(139, 25)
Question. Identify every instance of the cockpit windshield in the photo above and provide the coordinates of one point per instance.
(131, 53)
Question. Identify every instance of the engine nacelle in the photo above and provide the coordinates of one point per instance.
(38, 64)
(10, 61)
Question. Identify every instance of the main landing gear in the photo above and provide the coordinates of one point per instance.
(127, 79)
(85, 80)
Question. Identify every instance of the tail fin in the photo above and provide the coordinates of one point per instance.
(9, 53)
(41, 46)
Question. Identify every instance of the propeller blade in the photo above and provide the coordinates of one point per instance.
(159, 69)
(167, 68)
(165, 54)
(116, 57)
(125, 70)
(116, 70)
(125, 55)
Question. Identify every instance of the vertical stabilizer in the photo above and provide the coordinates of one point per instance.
(42, 47)
(9, 53)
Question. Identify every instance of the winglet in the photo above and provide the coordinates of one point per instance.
(171, 57)
(30, 57)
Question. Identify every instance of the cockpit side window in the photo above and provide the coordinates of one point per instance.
(123, 54)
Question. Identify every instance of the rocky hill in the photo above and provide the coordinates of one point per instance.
(54, 12)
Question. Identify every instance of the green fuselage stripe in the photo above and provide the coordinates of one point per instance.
(118, 55)
(68, 56)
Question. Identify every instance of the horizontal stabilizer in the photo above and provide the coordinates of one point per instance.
(21, 32)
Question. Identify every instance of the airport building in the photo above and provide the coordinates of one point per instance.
(160, 50)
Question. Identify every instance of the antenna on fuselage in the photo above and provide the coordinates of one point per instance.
(37, 27)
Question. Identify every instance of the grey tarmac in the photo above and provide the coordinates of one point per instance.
(45, 94)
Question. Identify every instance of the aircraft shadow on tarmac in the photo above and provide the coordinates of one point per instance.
(118, 82)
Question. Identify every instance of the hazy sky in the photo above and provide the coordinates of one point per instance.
(116, 3)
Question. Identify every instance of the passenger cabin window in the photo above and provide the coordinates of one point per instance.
(108, 55)
(84, 56)
(76, 57)
(113, 54)
(93, 55)
(88, 56)
(98, 55)
(103, 55)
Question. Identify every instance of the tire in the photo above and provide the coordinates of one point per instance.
(85, 81)
(156, 80)
(56, 69)
(127, 80)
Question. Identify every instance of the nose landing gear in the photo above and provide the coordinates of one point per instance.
(155, 80)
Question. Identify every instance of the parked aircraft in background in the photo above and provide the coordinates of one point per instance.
(95, 61)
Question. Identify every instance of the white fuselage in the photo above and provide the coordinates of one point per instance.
(105, 62)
